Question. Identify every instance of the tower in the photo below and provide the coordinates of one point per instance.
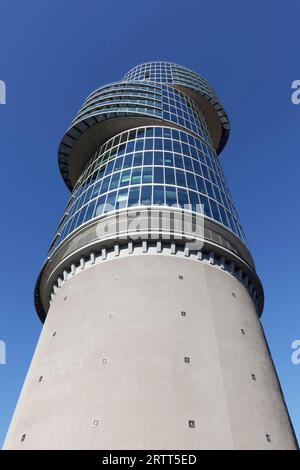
(149, 295)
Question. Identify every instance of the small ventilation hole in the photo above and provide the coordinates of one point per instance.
(253, 376)
(243, 331)
(23, 437)
(95, 422)
(191, 423)
(180, 277)
(268, 437)
(41, 378)
(183, 314)
(233, 294)
(54, 333)
(65, 298)
(187, 360)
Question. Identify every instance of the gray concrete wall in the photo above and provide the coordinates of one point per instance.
(118, 356)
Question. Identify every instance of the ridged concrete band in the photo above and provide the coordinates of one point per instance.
(164, 249)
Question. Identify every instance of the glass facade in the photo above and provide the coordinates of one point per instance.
(135, 99)
(172, 163)
(151, 166)
(166, 72)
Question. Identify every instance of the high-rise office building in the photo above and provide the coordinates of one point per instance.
(149, 295)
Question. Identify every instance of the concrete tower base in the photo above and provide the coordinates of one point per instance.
(158, 351)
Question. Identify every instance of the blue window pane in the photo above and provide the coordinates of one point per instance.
(200, 184)
(105, 184)
(118, 164)
(194, 201)
(169, 176)
(125, 178)
(138, 159)
(130, 146)
(158, 158)
(146, 195)
(158, 195)
(177, 147)
(128, 161)
(101, 173)
(121, 149)
(167, 132)
(148, 158)
(205, 171)
(186, 149)
(213, 177)
(191, 183)
(122, 197)
(136, 176)
(81, 216)
(148, 144)
(168, 157)
(175, 134)
(180, 178)
(134, 196)
(194, 152)
(100, 206)
(205, 202)
(218, 195)
(224, 216)
(188, 164)
(110, 201)
(215, 210)
(149, 132)
(132, 135)
(158, 174)
(183, 199)
(183, 137)
(209, 188)
(168, 145)
(147, 175)
(158, 144)
(178, 161)
(109, 168)
(139, 145)
(140, 133)
(171, 198)
(114, 182)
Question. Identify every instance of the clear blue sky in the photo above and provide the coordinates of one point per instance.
(53, 53)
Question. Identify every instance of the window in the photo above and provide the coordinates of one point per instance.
(121, 200)
(180, 178)
(134, 196)
(169, 176)
(170, 196)
(183, 199)
(136, 176)
(147, 175)
(146, 194)
(158, 195)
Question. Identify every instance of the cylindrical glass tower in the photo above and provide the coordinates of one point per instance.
(149, 294)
